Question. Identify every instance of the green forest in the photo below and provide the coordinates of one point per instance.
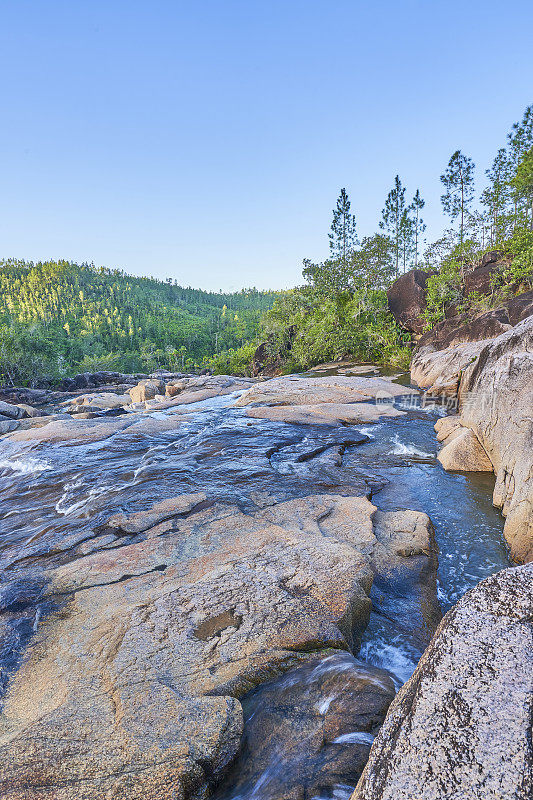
(58, 318)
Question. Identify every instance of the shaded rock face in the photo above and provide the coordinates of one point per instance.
(9, 411)
(310, 729)
(496, 403)
(266, 364)
(463, 328)
(151, 630)
(407, 300)
(461, 726)
(444, 352)
(91, 380)
(478, 279)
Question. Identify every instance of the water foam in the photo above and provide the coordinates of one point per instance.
(23, 466)
(401, 449)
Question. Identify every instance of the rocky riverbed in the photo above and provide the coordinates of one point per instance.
(214, 586)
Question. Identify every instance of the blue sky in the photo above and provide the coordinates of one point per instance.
(208, 141)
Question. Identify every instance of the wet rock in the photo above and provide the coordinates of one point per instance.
(31, 411)
(324, 413)
(310, 729)
(8, 425)
(461, 726)
(407, 300)
(166, 509)
(496, 404)
(463, 452)
(130, 687)
(10, 411)
(84, 431)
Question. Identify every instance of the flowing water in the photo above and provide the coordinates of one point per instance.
(53, 496)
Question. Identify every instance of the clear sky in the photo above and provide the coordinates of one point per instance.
(207, 141)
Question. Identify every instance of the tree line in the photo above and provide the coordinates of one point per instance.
(60, 317)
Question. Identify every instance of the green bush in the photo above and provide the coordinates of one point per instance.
(443, 288)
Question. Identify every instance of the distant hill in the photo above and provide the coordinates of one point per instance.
(56, 317)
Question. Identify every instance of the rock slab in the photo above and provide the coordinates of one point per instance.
(460, 728)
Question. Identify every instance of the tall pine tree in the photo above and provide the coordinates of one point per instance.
(343, 236)
(419, 226)
(458, 181)
(391, 218)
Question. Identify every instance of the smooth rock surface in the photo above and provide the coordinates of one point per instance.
(153, 636)
(496, 402)
(460, 728)
(325, 413)
(84, 431)
(296, 390)
(463, 452)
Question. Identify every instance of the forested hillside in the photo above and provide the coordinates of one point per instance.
(60, 317)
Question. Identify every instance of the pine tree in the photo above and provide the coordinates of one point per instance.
(392, 216)
(419, 225)
(520, 141)
(343, 236)
(522, 182)
(496, 196)
(458, 180)
(406, 237)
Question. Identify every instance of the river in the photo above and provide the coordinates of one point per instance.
(53, 494)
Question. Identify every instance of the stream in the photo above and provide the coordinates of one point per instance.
(59, 493)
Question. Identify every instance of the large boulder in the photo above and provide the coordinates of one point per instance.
(149, 636)
(146, 390)
(407, 300)
(495, 397)
(463, 452)
(325, 413)
(10, 411)
(332, 400)
(479, 278)
(295, 390)
(460, 728)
